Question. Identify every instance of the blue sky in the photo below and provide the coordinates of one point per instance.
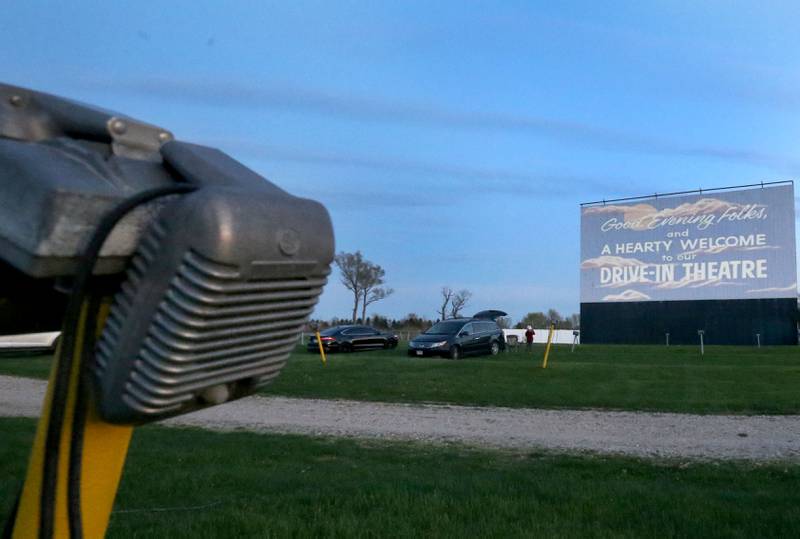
(451, 141)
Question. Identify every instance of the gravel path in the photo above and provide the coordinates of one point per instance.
(629, 433)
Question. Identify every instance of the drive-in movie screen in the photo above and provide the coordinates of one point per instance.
(737, 244)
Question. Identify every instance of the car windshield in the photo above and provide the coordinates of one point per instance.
(445, 328)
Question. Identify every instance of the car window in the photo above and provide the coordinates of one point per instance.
(469, 328)
(448, 327)
(359, 331)
(330, 331)
(489, 326)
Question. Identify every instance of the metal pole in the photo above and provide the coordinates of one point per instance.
(702, 347)
(758, 339)
(574, 341)
(321, 350)
(104, 448)
(667, 334)
(549, 342)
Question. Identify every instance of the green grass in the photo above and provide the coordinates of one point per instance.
(31, 366)
(743, 380)
(251, 485)
(725, 380)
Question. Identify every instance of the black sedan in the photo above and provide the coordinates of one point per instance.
(352, 339)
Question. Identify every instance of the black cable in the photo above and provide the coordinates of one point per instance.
(74, 514)
(8, 527)
(67, 354)
(107, 224)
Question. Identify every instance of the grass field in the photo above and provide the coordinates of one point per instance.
(725, 380)
(743, 380)
(190, 483)
(31, 366)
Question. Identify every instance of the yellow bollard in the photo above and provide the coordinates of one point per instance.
(549, 342)
(321, 350)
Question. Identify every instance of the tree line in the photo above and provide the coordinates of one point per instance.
(542, 320)
(366, 281)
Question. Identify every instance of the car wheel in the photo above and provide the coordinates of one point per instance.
(345, 348)
(454, 353)
(495, 348)
(393, 345)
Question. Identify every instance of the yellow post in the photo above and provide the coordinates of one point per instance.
(321, 350)
(105, 447)
(549, 341)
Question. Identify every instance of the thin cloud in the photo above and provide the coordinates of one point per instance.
(230, 94)
(369, 200)
(502, 181)
(732, 78)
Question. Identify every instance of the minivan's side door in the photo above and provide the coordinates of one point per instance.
(484, 335)
(469, 338)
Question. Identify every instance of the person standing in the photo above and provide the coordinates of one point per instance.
(529, 333)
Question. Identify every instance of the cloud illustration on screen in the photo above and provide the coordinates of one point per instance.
(791, 287)
(607, 261)
(628, 295)
(633, 212)
(689, 282)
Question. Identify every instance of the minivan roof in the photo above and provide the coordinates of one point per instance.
(465, 320)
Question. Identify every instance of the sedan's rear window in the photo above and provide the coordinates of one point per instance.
(359, 331)
(330, 331)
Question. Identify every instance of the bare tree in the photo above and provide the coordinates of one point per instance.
(447, 294)
(353, 271)
(575, 321)
(555, 317)
(504, 322)
(364, 279)
(371, 290)
(458, 302)
(376, 294)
